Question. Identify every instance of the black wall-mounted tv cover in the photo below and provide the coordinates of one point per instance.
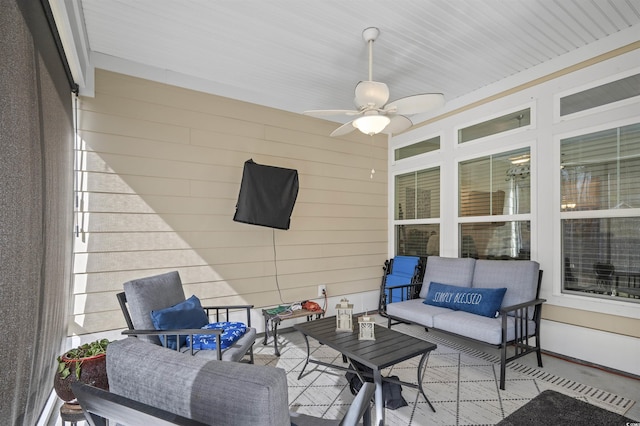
(267, 195)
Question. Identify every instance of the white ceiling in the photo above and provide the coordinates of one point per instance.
(297, 55)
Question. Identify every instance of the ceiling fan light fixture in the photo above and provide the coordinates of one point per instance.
(371, 124)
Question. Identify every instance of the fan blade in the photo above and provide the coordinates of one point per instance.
(343, 130)
(329, 112)
(416, 104)
(399, 123)
(371, 93)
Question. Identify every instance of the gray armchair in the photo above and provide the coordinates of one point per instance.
(150, 385)
(144, 295)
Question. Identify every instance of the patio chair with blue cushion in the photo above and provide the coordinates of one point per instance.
(398, 272)
(156, 311)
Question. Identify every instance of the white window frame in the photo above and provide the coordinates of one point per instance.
(426, 221)
(576, 300)
(531, 126)
(531, 144)
(557, 118)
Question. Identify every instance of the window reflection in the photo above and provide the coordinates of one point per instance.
(417, 195)
(600, 179)
(495, 185)
(601, 256)
(418, 240)
(501, 124)
(496, 240)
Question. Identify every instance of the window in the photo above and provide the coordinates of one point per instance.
(418, 240)
(600, 198)
(412, 150)
(604, 94)
(418, 194)
(496, 185)
(501, 124)
(417, 199)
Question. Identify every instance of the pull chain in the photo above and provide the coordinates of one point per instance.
(373, 171)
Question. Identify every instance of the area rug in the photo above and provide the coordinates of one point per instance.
(517, 372)
(557, 409)
(462, 383)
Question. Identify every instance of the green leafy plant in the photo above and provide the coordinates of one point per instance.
(77, 354)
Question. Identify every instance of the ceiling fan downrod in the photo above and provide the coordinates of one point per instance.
(370, 35)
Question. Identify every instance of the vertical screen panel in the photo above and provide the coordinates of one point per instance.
(36, 208)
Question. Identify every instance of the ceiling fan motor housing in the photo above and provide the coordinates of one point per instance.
(371, 94)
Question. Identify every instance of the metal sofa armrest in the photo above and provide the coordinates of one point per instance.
(413, 289)
(520, 341)
(226, 309)
(360, 407)
(181, 332)
(100, 405)
(513, 308)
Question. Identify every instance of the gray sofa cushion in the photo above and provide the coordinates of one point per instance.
(477, 327)
(416, 311)
(150, 294)
(519, 277)
(447, 270)
(213, 392)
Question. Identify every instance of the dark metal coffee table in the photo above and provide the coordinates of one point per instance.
(390, 347)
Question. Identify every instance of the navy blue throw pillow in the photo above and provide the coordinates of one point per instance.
(480, 301)
(187, 314)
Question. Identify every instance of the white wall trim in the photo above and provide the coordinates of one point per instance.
(606, 349)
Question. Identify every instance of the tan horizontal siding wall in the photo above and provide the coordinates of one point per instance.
(593, 320)
(161, 169)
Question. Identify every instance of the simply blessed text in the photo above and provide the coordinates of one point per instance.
(463, 298)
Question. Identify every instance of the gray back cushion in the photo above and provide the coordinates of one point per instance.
(152, 293)
(447, 270)
(520, 277)
(212, 392)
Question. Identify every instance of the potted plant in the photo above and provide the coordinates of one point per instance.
(85, 363)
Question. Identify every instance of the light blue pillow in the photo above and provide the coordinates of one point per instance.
(187, 314)
(480, 301)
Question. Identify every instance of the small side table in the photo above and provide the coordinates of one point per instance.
(71, 413)
(277, 318)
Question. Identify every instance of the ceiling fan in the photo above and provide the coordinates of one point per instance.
(374, 114)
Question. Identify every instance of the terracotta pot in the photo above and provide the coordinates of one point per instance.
(93, 372)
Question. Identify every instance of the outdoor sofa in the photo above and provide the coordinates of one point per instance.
(495, 302)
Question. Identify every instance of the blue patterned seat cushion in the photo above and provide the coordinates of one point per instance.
(232, 331)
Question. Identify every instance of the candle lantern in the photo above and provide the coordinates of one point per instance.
(367, 328)
(344, 316)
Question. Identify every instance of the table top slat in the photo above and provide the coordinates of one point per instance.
(389, 347)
